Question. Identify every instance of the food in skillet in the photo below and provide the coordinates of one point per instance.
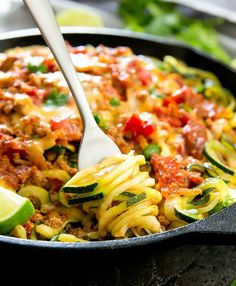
(174, 125)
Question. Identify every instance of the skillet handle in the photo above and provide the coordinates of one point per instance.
(223, 222)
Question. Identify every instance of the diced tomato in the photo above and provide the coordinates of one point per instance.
(195, 179)
(136, 126)
(172, 176)
(50, 64)
(28, 227)
(68, 128)
(172, 114)
(179, 96)
(167, 101)
(37, 95)
(184, 119)
(32, 92)
(148, 129)
(144, 76)
(133, 125)
(56, 123)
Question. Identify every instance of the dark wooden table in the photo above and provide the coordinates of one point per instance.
(183, 265)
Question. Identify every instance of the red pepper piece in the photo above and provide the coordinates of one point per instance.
(137, 126)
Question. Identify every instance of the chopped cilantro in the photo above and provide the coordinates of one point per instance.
(97, 118)
(200, 88)
(114, 101)
(155, 94)
(37, 68)
(151, 149)
(100, 121)
(56, 99)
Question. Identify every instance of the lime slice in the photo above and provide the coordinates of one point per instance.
(79, 17)
(14, 210)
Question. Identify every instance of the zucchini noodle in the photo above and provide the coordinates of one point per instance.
(122, 196)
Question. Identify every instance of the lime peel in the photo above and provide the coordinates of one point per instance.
(14, 210)
(79, 17)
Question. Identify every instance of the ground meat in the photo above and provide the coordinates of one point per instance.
(17, 176)
(54, 219)
(33, 124)
(172, 176)
(117, 136)
(6, 79)
(78, 232)
(5, 129)
(195, 136)
(7, 103)
(7, 63)
(6, 176)
(36, 178)
(37, 217)
(172, 114)
(203, 107)
(68, 128)
(23, 173)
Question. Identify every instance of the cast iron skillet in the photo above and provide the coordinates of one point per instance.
(220, 227)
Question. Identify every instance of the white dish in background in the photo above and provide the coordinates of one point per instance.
(220, 8)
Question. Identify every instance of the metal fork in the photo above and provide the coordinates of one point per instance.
(95, 145)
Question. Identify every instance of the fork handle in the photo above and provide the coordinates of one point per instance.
(43, 15)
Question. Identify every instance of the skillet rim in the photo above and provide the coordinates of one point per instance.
(114, 32)
(119, 243)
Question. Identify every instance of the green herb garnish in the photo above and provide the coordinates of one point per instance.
(155, 94)
(114, 101)
(37, 68)
(151, 149)
(56, 99)
(100, 121)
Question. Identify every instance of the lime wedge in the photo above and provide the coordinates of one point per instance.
(79, 17)
(14, 210)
